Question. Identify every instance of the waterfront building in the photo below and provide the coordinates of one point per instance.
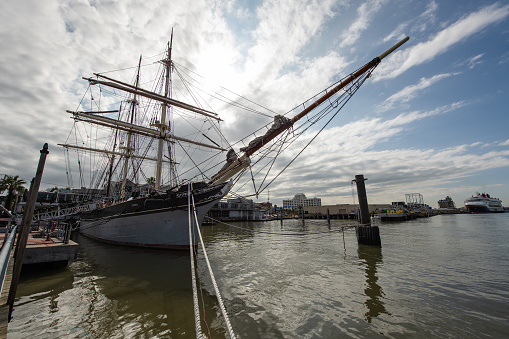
(300, 200)
(237, 209)
(446, 203)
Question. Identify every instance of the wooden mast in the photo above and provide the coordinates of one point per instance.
(326, 96)
(125, 126)
(242, 162)
(163, 125)
(112, 160)
(148, 94)
(128, 148)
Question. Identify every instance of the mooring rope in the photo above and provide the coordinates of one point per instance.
(218, 295)
(197, 323)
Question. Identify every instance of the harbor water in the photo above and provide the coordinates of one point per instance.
(444, 276)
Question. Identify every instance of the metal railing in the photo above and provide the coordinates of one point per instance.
(58, 213)
(58, 229)
(5, 255)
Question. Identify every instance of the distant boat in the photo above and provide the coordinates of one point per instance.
(446, 203)
(483, 203)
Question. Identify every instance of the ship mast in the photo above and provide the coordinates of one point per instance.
(159, 129)
(163, 125)
(112, 160)
(128, 148)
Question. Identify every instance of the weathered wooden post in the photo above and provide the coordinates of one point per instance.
(328, 217)
(366, 234)
(26, 222)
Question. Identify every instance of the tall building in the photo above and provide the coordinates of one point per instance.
(300, 200)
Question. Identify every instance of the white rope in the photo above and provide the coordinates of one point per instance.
(197, 323)
(218, 295)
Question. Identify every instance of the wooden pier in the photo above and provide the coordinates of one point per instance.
(4, 306)
(48, 246)
(41, 251)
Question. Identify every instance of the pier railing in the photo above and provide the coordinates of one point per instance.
(60, 213)
(5, 255)
(60, 230)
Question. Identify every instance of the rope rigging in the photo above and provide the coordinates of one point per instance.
(282, 143)
(265, 160)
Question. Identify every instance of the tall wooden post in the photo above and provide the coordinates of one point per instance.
(25, 227)
(363, 200)
(366, 234)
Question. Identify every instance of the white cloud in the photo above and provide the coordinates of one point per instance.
(365, 14)
(427, 17)
(339, 153)
(397, 33)
(410, 92)
(475, 61)
(283, 29)
(46, 46)
(416, 25)
(402, 60)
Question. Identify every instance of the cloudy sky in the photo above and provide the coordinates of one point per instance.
(432, 119)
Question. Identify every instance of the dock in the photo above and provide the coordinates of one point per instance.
(4, 307)
(42, 251)
(403, 216)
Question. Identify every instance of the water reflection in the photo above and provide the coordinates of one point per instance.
(43, 284)
(372, 257)
(144, 287)
(114, 291)
(284, 287)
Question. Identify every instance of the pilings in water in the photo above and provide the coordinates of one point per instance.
(366, 234)
(25, 227)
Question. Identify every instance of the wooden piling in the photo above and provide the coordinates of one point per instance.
(366, 234)
(25, 228)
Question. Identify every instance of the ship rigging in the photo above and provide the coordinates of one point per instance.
(153, 129)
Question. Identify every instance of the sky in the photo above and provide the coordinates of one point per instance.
(432, 119)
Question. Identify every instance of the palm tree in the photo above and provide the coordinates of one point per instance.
(11, 184)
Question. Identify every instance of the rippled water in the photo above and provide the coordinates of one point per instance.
(445, 276)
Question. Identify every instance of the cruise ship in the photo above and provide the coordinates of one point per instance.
(483, 203)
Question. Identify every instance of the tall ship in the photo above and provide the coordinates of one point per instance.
(150, 150)
(483, 203)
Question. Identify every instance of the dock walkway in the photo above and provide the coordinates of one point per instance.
(4, 307)
(39, 250)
